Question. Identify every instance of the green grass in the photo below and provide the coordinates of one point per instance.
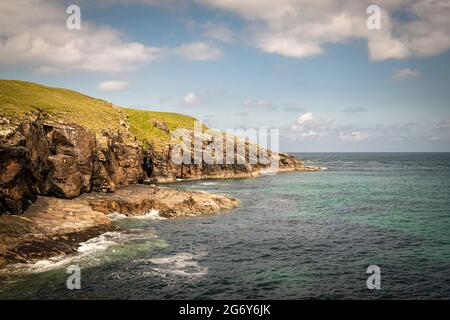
(20, 100)
(142, 127)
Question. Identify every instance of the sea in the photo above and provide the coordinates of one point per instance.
(300, 235)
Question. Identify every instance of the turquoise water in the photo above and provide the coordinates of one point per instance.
(294, 236)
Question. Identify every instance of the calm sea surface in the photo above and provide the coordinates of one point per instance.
(294, 236)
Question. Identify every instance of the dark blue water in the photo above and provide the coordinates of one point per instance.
(294, 236)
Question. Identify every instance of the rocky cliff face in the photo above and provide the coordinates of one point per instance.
(164, 170)
(39, 157)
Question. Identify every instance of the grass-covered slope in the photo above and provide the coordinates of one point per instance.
(21, 100)
(142, 127)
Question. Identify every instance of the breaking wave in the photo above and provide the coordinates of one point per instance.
(183, 264)
(152, 214)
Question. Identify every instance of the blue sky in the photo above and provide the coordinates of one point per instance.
(244, 64)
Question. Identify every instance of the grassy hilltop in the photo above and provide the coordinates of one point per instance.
(20, 100)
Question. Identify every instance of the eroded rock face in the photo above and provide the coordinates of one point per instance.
(53, 226)
(62, 160)
(49, 227)
(164, 170)
(170, 203)
(38, 158)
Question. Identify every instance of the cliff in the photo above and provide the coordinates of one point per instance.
(57, 142)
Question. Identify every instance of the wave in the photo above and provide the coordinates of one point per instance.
(116, 216)
(101, 242)
(152, 214)
(183, 264)
(209, 183)
(89, 253)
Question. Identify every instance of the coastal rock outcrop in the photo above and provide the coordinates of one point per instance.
(63, 160)
(58, 142)
(170, 203)
(39, 157)
(52, 226)
(164, 169)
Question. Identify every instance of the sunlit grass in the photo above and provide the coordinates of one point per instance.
(21, 100)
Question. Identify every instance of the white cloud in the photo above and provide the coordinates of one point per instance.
(305, 118)
(112, 85)
(34, 33)
(308, 126)
(403, 74)
(443, 124)
(199, 51)
(264, 104)
(219, 32)
(355, 136)
(258, 104)
(302, 28)
(191, 99)
(311, 133)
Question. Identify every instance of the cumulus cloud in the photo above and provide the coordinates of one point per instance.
(34, 33)
(112, 85)
(199, 51)
(191, 99)
(305, 118)
(302, 28)
(355, 109)
(313, 131)
(403, 74)
(308, 126)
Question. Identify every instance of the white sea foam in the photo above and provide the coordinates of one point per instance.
(152, 214)
(38, 266)
(101, 242)
(183, 264)
(89, 253)
(209, 183)
(268, 171)
(323, 168)
(116, 216)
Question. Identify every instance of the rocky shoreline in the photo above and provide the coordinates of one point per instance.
(68, 160)
(58, 182)
(41, 157)
(52, 226)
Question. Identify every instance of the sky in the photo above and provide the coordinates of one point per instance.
(310, 68)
